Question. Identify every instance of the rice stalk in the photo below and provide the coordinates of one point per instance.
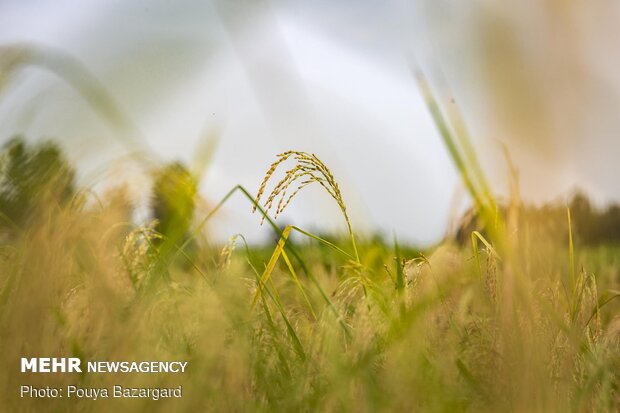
(571, 256)
(238, 188)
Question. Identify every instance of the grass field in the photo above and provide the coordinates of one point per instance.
(519, 318)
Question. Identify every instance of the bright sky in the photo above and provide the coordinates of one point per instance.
(333, 78)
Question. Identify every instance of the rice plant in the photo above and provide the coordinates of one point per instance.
(308, 169)
(525, 323)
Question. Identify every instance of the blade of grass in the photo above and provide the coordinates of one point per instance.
(571, 252)
(449, 140)
(463, 137)
(297, 283)
(274, 297)
(293, 251)
(325, 242)
(400, 278)
(271, 264)
(475, 236)
(603, 300)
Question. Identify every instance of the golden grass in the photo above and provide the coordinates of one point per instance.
(449, 331)
(309, 326)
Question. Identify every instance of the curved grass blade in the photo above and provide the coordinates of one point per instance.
(274, 297)
(475, 236)
(297, 283)
(85, 83)
(450, 141)
(291, 248)
(271, 264)
(605, 298)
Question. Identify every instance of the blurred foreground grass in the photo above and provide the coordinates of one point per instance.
(518, 315)
(504, 326)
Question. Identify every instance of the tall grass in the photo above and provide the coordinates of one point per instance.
(339, 324)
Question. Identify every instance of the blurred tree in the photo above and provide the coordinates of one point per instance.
(174, 198)
(584, 217)
(609, 224)
(33, 178)
(590, 225)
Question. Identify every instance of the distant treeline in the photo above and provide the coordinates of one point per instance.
(590, 225)
(594, 226)
(36, 179)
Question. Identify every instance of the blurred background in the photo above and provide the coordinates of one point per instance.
(250, 79)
